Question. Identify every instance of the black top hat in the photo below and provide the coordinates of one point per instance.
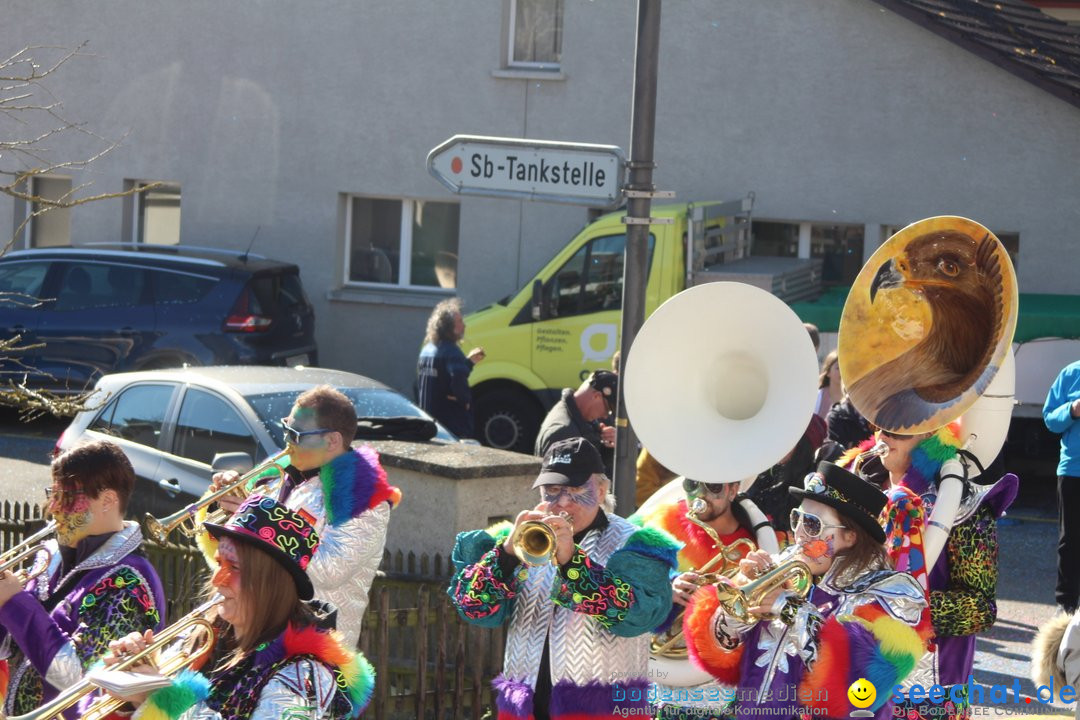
(570, 462)
(853, 497)
(288, 536)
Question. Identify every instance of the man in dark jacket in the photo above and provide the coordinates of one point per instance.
(577, 414)
(442, 371)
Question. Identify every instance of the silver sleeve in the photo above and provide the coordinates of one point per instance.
(351, 551)
(64, 669)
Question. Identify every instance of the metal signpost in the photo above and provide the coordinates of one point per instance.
(575, 173)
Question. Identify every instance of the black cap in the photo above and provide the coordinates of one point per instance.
(569, 462)
(852, 496)
(606, 383)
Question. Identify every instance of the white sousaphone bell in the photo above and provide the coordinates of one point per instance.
(720, 384)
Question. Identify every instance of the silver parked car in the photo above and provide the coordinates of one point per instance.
(173, 423)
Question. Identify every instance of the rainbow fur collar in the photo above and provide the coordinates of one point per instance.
(325, 646)
(354, 482)
(927, 459)
(698, 547)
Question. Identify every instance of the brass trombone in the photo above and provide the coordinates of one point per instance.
(8, 555)
(26, 575)
(187, 518)
(727, 557)
(106, 705)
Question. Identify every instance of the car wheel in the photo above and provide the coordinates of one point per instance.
(507, 419)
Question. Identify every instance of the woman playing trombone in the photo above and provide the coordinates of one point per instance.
(790, 653)
(271, 660)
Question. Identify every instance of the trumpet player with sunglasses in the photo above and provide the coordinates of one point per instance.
(98, 586)
(343, 488)
(794, 632)
(579, 615)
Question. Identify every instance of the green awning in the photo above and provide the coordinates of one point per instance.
(1040, 315)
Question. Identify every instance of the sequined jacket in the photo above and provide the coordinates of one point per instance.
(875, 626)
(113, 592)
(594, 613)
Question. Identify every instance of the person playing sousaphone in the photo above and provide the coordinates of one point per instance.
(579, 620)
(271, 659)
(717, 528)
(794, 632)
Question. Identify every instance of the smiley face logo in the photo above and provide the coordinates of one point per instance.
(862, 693)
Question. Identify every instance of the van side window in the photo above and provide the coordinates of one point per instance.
(92, 285)
(207, 426)
(175, 288)
(592, 280)
(21, 282)
(136, 414)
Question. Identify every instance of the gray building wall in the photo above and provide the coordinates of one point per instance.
(267, 114)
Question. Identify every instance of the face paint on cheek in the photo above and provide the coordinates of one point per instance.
(588, 498)
(71, 527)
(818, 548)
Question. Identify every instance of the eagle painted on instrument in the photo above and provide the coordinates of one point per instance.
(961, 279)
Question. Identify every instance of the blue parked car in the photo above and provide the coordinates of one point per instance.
(93, 310)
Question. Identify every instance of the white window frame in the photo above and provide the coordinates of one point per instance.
(408, 206)
(511, 63)
(28, 229)
(138, 207)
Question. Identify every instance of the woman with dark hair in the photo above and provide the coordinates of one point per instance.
(271, 660)
(799, 654)
(829, 387)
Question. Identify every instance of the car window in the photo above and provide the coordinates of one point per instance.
(172, 288)
(91, 286)
(369, 402)
(136, 414)
(21, 281)
(592, 280)
(207, 426)
(278, 293)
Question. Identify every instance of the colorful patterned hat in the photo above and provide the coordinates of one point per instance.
(287, 535)
(852, 496)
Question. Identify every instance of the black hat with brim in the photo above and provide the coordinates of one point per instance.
(848, 494)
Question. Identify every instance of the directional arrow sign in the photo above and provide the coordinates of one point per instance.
(576, 173)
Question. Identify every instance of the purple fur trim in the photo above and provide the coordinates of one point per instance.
(513, 697)
(598, 698)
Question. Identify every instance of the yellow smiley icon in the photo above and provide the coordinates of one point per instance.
(862, 693)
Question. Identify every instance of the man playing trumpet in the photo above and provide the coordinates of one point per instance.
(344, 489)
(579, 625)
(98, 586)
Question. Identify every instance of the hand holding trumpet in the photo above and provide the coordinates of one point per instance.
(10, 584)
(560, 525)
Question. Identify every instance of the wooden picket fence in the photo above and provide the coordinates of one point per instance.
(429, 664)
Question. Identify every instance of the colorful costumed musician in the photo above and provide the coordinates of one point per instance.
(271, 659)
(717, 528)
(344, 489)
(794, 637)
(579, 620)
(98, 587)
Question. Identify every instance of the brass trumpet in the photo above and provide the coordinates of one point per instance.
(534, 542)
(106, 705)
(26, 575)
(187, 518)
(727, 556)
(880, 449)
(737, 600)
(8, 555)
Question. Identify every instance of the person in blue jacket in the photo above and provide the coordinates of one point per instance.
(442, 371)
(1060, 413)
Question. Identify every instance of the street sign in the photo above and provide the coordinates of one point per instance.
(576, 173)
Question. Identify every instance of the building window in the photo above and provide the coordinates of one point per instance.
(775, 239)
(535, 34)
(840, 248)
(409, 243)
(53, 226)
(156, 218)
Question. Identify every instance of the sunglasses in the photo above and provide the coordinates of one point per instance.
(296, 437)
(692, 486)
(811, 524)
